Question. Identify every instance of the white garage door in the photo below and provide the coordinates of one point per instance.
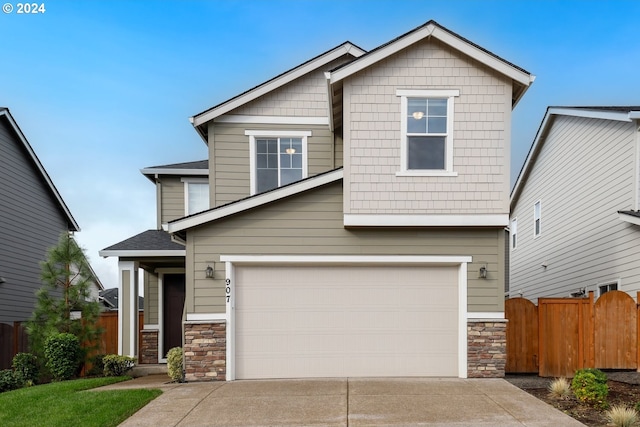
(339, 321)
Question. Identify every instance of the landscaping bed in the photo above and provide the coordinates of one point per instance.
(624, 389)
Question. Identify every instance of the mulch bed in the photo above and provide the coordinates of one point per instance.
(624, 389)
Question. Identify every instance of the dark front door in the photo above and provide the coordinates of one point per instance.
(172, 311)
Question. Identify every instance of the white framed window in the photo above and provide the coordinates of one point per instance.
(603, 288)
(426, 127)
(514, 233)
(196, 195)
(537, 219)
(277, 158)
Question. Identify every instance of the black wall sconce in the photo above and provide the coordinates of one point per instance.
(483, 272)
(209, 272)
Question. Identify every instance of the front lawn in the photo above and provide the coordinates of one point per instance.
(67, 403)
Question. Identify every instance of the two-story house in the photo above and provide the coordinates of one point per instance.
(357, 207)
(32, 217)
(583, 159)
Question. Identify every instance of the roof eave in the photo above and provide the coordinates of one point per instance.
(132, 253)
(202, 118)
(73, 225)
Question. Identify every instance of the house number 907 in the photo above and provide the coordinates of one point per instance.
(227, 289)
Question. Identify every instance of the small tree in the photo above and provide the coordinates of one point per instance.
(67, 278)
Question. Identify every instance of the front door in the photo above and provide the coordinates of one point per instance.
(173, 305)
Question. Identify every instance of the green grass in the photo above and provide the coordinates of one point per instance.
(68, 404)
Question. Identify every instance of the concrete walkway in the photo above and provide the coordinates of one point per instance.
(343, 402)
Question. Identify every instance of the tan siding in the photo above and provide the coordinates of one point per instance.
(172, 199)
(583, 175)
(150, 299)
(304, 97)
(311, 223)
(230, 164)
(480, 145)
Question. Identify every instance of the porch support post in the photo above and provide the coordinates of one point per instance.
(128, 308)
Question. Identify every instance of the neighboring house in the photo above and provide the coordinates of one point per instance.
(356, 225)
(109, 300)
(32, 216)
(586, 161)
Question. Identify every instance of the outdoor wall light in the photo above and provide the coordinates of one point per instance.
(483, 272)
(2, 280)
(209, 271)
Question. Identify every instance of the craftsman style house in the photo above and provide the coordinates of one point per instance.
(583, 159)
(349, 221)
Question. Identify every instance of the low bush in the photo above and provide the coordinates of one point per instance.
(174, 364)
(590, 386)
(116, 366)
(621, 416)
(8, 380)
(25, 366)
(62, 352)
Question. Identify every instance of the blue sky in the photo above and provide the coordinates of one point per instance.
(104, 88)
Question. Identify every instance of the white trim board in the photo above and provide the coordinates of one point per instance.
(275, 120)
(460, 260)
(254, 201)
(143, 253)
(480, 220)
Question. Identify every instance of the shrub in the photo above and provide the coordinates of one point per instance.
(174, 364)
(621, 416)
(590, 386)
(559, 388)
(115, 365)
(25, 366)
(97, 365)
(8, 380)
(62, 352)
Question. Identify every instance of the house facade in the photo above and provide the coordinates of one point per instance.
(583, 159)
(357, 206)
(32, 216)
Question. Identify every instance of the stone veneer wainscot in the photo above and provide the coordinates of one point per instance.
(486, 348)
(149, 346)
(205, 351)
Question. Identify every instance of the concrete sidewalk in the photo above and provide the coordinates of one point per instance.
(342, 402)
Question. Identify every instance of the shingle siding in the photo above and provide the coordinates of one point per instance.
(582, 176)
(481, 136)
(30, 222)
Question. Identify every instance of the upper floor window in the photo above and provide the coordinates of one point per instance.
(427, 132)
(537, 219)
(196, 195)
(277, 158)
(514, 233)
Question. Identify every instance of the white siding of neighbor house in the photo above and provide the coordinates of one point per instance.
(582, 176)
(311, 224)
(481, 136)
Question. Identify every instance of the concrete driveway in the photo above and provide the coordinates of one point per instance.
(343, 402)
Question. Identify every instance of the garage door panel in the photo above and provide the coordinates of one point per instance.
(346, 321)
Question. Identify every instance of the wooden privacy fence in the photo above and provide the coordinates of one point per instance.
(14, 340)
(562, 335)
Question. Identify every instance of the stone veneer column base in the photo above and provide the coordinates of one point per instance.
(205, 351)
(486, 348)
(149, 347)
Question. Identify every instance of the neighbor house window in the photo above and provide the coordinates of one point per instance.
(514, 233)
(427, 132)
(537, 218)
(277, 158)
(604, 288)
(196, 195)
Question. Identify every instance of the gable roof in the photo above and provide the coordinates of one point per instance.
(198, 167)
(199, 120)
(618, 113)
(257, 200)
(71, 222)
(521, 78)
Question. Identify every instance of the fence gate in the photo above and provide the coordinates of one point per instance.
(522, 335)
(616, 331)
